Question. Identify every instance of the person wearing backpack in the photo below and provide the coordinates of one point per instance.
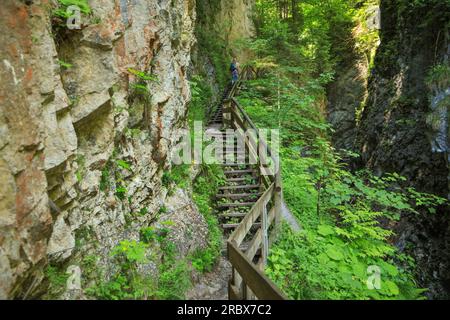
(234, 69)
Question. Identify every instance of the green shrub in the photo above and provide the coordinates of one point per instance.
(344, 214)
(61, 11)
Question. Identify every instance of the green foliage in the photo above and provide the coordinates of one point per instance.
(178, 176)
(128, 282)
(340, 211)
(439, 76)
(121, 192)
(123, 164)
(139, 90)
(345, 215)
(64, 64)
(212, 45)
(132, 252)
(151, 234)
(367, 40)
(205, 188)
(321, 264)
(113, 179)
(57, 279)
(61, 11)
(162, 210)
(201, 97)
(142, 75)
(313, 35)
(173, 281)
(104, 180)
(81, 167)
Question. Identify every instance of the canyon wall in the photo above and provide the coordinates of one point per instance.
(220, 30)
(395, 133)
(396, 117)
(88, 119)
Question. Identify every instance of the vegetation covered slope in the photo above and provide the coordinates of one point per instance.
(346, 215)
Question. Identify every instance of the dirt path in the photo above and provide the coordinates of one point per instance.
(212, 285)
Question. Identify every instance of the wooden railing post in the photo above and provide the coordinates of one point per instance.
(278, 199)
(227, 118)
(265, 236)
(248, 279)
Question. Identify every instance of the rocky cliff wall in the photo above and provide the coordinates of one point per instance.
(221, 27)
(84, 139)
(394, 135)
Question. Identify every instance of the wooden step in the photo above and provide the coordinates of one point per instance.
(243, 171)
(217, 135)
(233, 215)
(233, 165)
(238, 195)
(241, 179)
(236, 205)
(244, 187)
(235, 225)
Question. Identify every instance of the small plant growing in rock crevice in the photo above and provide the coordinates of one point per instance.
(128, 282)
(57, 278)
(64, 64)
(63, 5)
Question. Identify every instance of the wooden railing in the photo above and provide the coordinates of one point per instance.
(248, 280)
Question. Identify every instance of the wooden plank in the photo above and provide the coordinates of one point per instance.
(234, 165)
(245, 186)
(254, 245)
(237, 119)
(265, 236)
(235, 205)
(243, 113)
(233, 292)
(259, 283)
(265, 180)
(237, 196)
(233, 215)
(271, 216)
(247, 119)
(240, 232)
(241, 179)
(235, 225)
(252, 149)
(240, 171)
(278, 200)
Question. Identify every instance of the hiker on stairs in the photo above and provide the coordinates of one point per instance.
(234, 68)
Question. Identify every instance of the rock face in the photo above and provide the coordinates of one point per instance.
(233, 22)
(221, 25)
(71, 113)
(394, 135)
(345, 96)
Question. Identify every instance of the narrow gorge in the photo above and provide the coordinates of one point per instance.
(96, 96)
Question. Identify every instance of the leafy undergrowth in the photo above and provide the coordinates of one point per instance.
(345, 250)
(169, 276)
(346, 216)
(205, 189)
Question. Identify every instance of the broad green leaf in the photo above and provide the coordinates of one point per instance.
(335, 253)
(325, 230)
(392, 288)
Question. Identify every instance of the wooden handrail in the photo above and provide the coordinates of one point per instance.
(256, 280)
(248, 279)
(253, 126)
(244, 227)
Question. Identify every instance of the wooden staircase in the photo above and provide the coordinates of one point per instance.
(217, 114)
(249, 205)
